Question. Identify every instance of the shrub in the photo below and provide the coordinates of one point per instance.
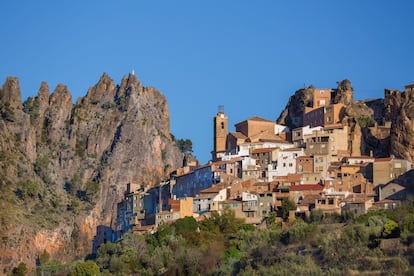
(366, 121)
(85, 269)
(31, 107)
(21, 269)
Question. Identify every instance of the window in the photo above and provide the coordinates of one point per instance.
(222, 125)
(331, 201)
(319, 169)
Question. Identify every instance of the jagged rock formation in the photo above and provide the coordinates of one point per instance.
(344, 93)
(292, 115)
(381, 127)
(400, 112)
(64, 166)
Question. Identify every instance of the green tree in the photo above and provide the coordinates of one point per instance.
(31, 107)
(390, 227)
(88, 268)
(225, 223)
(187, 227)
(287, 205)
(44, 258)
(91, 189)
(20, 270)
(366, 121)
(185, 146)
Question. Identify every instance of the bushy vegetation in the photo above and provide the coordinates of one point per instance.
(7, 112)
(225, 245)
(31, 107)
(185, 145)
(366, 121)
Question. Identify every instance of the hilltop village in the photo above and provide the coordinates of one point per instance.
(318, 166)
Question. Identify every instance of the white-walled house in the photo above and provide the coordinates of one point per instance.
(300, 134)
(286, 162)
(279, 129)
(208, 199)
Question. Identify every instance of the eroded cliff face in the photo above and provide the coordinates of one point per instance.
(378, 127)
(400, 112)
(292, 115)
(64, 166)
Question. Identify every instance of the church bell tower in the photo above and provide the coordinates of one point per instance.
(220, 134)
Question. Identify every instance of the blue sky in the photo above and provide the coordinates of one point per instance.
(249, 56)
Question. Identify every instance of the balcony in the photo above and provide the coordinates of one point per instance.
(250, 206)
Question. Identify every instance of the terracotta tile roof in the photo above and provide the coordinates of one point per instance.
(238, 135)
(293, 149)
(232, 201)
(294, 177)
(261, 184)
(280, 177)
(305, 157)
(386, 159)
(386, 201)
(357, 198)
(231, 161)
(334, 126)
(247, 184)
(215, 188)
(309, 199)
(259, 119)
(255, 118)
(204, 196)
(350, 165)
(261, 150)
(360, 157)
(306, 187)
(275, 140)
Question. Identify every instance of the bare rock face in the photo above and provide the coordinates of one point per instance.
(64, 166)
(10, 93)
(344, 93)
(292, 115)
(400, 110)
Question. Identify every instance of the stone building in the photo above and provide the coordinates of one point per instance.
(304, 164)
(220, 134)
(387, 169)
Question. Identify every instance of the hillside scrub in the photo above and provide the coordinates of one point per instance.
(224, 245)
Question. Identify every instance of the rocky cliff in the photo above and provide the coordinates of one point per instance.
(64, 166)
(381, 127)
(400, 112)
(292, 115)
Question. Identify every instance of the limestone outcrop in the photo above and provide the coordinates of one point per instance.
(65, 165)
